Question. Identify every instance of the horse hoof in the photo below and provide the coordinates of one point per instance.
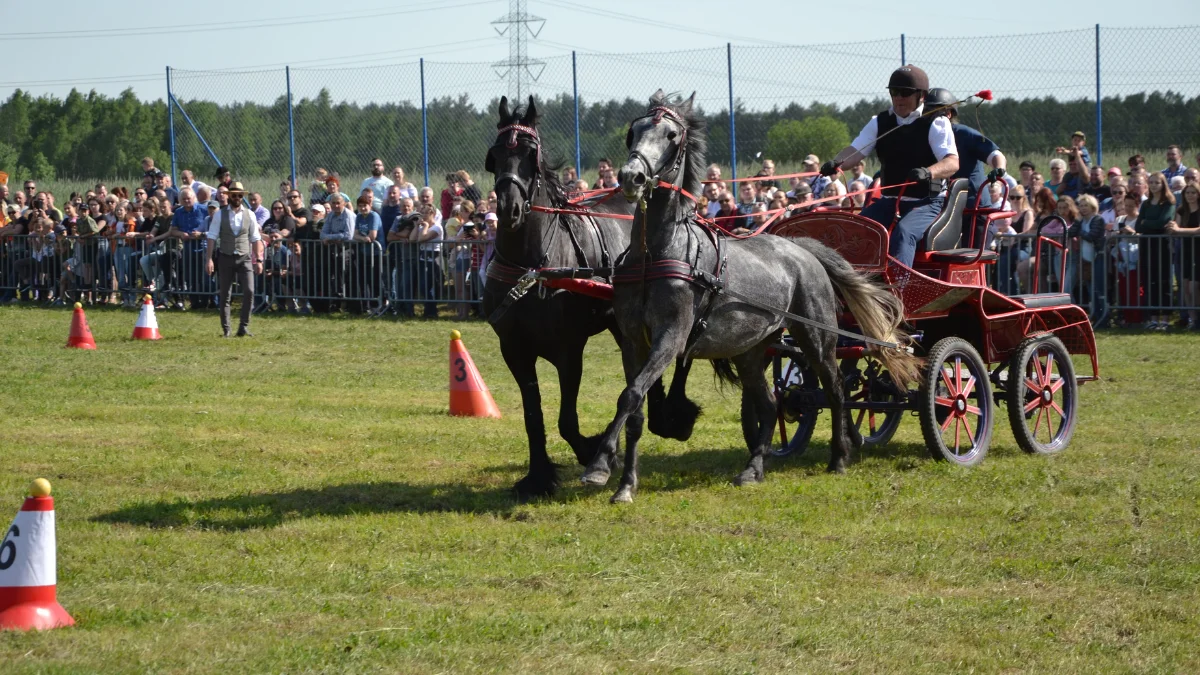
(748, 477)
(623, 496)
(595, 477)
(837, 467)
(536, 487)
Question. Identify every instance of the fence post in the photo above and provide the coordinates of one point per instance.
(287, 71)
(424, 123)
(575, 88)
(903, 51)
(207, 148)
(1099, 106)
(732, 123)
(171, 124)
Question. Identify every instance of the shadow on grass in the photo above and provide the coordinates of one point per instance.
(270, 509)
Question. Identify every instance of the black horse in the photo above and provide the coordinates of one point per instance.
(555, 325)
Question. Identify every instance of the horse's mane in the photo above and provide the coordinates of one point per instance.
(697, 137)
(549, 168)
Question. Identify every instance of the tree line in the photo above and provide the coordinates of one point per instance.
(93, 135)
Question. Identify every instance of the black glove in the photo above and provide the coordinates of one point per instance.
(920, 175)
(996, 174)
(829, 168)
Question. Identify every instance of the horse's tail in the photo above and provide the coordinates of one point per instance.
(878, 311)
(723, 369)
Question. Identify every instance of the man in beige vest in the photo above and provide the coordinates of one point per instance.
(234, 230)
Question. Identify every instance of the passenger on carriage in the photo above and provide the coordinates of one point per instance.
(975, 152)
(911, 147)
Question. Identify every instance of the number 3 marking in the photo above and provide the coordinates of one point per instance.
(460, 376)
(8, 551)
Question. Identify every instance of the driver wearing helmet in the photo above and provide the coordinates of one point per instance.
(976, 152)
(912, 147)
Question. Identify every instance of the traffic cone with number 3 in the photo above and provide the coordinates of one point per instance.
(469, 396)
(28, 568)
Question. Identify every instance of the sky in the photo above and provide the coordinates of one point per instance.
(129, 44)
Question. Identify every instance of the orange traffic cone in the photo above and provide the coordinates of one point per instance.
(469, 396)
(81, 335)
(28, 569)
(146, 327)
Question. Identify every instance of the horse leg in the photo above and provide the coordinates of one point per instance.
(570, 373)
(542, 479)
(640, 373)
(674, 417)
(758, 412)
(835, 394)
(633, 433)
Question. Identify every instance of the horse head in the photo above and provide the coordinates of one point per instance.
(662, 146)
(515, 159)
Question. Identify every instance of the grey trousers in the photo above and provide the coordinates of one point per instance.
(230, 267)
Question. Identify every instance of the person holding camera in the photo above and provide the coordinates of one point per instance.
(402, 258)
(234, 230)
(467, 256)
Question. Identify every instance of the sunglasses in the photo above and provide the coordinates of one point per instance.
(901, 91)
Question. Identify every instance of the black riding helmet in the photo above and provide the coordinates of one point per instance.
(909, 77)
(941, 98)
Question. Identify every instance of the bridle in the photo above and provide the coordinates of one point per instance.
(513, 130)
(657, 113)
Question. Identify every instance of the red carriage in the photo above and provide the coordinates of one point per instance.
(981, 347)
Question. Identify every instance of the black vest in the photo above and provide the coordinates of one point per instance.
(903, 151)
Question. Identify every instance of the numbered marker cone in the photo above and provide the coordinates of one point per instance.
(28, 570)
(81, 335)
(146, 327)
(469, 396)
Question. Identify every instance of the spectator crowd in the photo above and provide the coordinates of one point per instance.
(1125, 237)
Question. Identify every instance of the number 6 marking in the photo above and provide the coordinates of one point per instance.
(8, 551)
(461, 375)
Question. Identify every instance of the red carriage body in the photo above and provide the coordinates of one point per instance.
(948, 303)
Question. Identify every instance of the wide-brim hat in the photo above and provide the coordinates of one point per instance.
(235, 188)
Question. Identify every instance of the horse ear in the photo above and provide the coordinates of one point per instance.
(657, 97)
(489, 163)
(531, 114)
(629, 138)
(505, 114)
(687, 105)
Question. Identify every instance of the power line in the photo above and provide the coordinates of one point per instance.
(251, 25)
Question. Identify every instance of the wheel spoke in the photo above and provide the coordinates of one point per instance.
(950, 388)
(1049, 368)
(958, 374)
(1037, 423)
(1057, 384)
(871, 422)
(974, 410)
(1029, 407)
(970, 385)
(970, 436)
(946, 422)
(957, 429)
(1059, 410)
(1033, 386)
(858, 422)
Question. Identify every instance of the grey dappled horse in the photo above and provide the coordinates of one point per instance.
(658, 315)
(554, 325)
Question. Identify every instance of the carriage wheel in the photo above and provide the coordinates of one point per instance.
(796, 423)
(956, 406)
(1041, 395)
(874, 384)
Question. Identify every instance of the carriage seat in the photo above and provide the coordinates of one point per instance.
(946, 231)
(1038, 300)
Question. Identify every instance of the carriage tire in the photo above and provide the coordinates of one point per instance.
(1032, 398)
(949, 403)
(891, 419)
(805, 423)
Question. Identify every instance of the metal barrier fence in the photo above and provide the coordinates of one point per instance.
(433, 117)
(314, 274)
(1130, 279)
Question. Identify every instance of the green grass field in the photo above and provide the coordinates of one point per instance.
(300, 502)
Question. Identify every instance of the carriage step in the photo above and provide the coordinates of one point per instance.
(1039, 300)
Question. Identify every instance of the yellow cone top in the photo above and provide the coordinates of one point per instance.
(455, 335)
(147, 298)
(40, 487)
(78, 305)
